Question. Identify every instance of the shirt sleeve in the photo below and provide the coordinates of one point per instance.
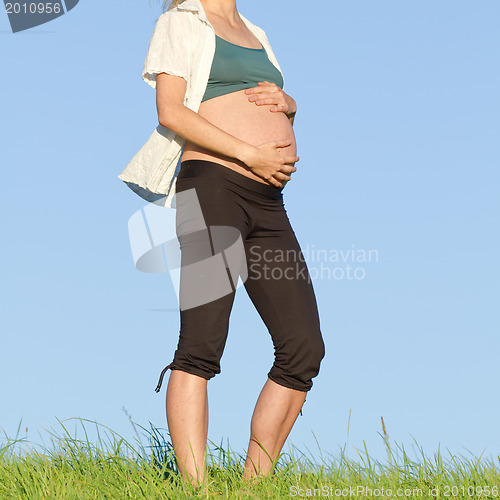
(168, 49)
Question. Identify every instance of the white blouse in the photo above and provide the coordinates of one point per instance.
(182, 44)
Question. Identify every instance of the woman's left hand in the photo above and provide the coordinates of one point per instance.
(270, 93)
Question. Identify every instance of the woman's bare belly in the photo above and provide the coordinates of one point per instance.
(247, 121)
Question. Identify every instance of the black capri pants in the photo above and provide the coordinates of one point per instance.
(225, 208)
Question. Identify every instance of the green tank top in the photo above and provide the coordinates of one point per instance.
(235, 68)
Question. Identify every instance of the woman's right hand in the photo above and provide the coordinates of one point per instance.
(267, 162)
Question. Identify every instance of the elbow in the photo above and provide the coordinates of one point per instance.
(166, 121)
(169, 117)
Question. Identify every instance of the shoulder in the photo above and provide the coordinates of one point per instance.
(179, 25)
(175, 18)
(173, 15)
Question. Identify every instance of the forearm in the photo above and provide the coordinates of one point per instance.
(194, 128)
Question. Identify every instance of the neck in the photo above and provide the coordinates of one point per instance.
(222, 8)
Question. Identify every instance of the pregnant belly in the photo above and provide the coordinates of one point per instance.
(236, 115)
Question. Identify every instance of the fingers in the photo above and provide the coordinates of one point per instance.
(275, 182)
(282, 177)
(269, 102)
(265, 83)
(271, 87)
(288, 169)
(283, 143)
(266, 99)
(282, 108)
(290, 159)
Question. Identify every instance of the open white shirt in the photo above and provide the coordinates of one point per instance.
(182, 44)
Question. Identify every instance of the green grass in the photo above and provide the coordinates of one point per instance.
(113, 468)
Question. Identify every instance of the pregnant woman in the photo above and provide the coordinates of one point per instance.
(220, 94)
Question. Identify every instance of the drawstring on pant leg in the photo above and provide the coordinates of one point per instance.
(161, 376)
(303, 405)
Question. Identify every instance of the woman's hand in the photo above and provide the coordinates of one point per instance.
(270, 93)
(268, 163)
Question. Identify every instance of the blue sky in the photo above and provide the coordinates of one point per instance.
(397, 129)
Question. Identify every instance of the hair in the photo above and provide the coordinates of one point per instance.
(170, 4)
